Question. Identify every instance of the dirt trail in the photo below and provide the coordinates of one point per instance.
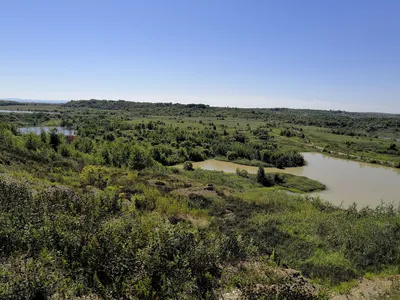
(375, 288)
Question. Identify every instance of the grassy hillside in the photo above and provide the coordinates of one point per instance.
(108, 214)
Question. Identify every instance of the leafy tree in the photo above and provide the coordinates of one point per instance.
(43, 136)
(94, 175)
(265, 180)
(188, 166)
(109, 136)
(84, 144)
(55, 140)
(65, 150)
(231, 155)
(242, 173)
(140, 158)
(32, 141)
(196, 154)
(261, 175)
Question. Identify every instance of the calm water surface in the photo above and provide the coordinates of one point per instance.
(347, 181)
(37, 130)
(16, 111)
(27, 111)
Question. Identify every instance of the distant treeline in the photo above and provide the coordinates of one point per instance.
(9, 102)
(357, 122)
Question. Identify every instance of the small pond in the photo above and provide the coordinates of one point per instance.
(37, 130)
(27, 112)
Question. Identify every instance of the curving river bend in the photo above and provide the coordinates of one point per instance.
(347, 181)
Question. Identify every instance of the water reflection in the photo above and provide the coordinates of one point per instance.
(347, 181)
(37, 130)
(27, 112)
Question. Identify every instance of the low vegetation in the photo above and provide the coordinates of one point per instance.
(106, 214)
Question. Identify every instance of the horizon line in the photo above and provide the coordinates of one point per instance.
(50, 101)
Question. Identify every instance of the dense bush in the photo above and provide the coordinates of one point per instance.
(62, 233)
(114, 143)
(188, 166)
(242, 173)
(282, 159)
(139, 158)
(95, 176)
(329, 266)
(265, 179)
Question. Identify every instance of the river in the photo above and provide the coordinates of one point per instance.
(6, 111)
(347, 181)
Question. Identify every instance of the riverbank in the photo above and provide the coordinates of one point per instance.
(245, 162)
(339, 146)
(353, 157)
(346, 181)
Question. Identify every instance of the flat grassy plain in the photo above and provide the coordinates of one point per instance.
(368, 149)
(33, 107)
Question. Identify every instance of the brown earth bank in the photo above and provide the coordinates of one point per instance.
(281, 284)
(374, 288)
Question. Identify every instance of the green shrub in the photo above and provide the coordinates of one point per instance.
(188, 166)
(55, 139)
(261, 175)
(140, 158)
(32, 141)
(144, 203)
(94, 175)
(330, 266)
(197, 154)
(242, 173)
(265, 180)
(199, 201)
(231, 155)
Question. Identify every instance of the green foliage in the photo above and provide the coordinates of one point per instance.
(9, 102)
(231, 155)
(55, 139)
(242, 173)
(188, 166)
(131, 228)
(122, 255)
(262, 178)
(94, 175)
(341, 121)
(261, 175)
(139, 158)
(298, 183)
(282, 159)
(43, 136)
(32, 142)
(329, 266)
(196, 154)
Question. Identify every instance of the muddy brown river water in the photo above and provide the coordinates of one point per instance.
(347, 181)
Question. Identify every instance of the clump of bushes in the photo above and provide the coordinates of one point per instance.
(188, 166)
(282, 159)
(242, 173)
(94, 175)
(265, 180)
(333, 267)
(71, 245)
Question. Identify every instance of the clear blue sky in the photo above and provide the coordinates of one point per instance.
(301, 53)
